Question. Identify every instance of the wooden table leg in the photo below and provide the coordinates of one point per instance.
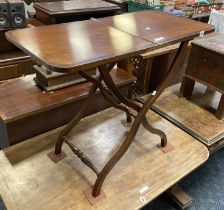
(181, 198)
(140, 116)
(57, 154)
(220, 111)
(111, 94)
(187, 87)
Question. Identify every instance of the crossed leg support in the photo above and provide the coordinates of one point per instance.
(112, 95)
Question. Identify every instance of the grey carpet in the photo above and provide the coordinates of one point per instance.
(205, 185)
(2, 206)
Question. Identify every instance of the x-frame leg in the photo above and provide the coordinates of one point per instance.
(112, 95)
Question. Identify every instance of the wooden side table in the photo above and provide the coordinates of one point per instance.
(101, 44)
(206, 66)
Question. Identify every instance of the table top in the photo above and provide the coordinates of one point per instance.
(75, 7)
(213, 42)
(159, 28)
(88, 44)
(77, 45)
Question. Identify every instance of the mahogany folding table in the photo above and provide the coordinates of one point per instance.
(101, 43)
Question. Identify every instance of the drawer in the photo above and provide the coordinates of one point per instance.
(9, 71)
(207, 66)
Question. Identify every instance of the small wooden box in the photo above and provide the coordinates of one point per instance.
(206, 66)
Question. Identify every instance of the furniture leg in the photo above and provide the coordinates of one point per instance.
(107, 94)
(72, 123)
(181, 198)
(128, 116)
(139, 118)
(220, 111)
(110, 84)
(153, 130)
(111, 100)
(187, 87)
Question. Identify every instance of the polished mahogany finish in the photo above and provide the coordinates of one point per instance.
(81, 45)
(160, 28)
(77, 45)
(75, 7)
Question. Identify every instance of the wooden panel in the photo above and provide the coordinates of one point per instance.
(80, 45)
(206, 66)
(12, 57)
(213, 42)
(14, 63)
(45, 18)
(36, 124)
(9, 71)
(160, 51)
(195, 116)
(29, 174)
(26, 111)
(34, 100)
(160, 28)
(26, 67)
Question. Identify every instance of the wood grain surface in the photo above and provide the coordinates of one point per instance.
(75, 7)
(34, 181)
(79, 45)
(160, 28)
(213, 42)
(34, 100)
(26, 111)
(196, 116)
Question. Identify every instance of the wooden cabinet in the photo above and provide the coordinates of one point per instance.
(13, 62)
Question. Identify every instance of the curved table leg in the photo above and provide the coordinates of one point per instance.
(156, 131)
(111, 100)
(138, 120)
(121, 151)
(110, 84)
(75, 120)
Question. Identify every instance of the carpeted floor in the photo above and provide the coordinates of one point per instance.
(205, 185)
(2, 206)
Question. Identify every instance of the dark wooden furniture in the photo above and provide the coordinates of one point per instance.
(67, 11)
(195, 116)
(99, 44)
(26, 111)
(13, 62)
(206, 66)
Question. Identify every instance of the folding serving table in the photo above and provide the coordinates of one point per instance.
(101, 43)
